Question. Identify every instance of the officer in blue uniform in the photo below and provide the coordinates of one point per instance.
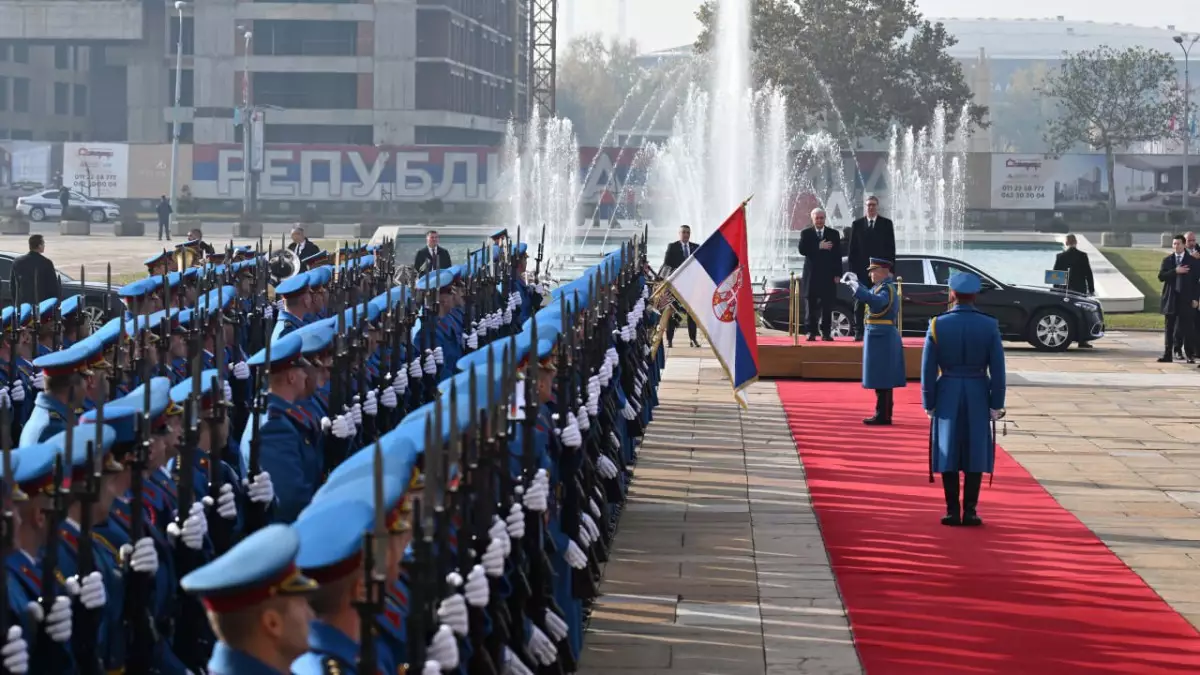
(291, 440)
(257, 601)
(64, 390)
(74, 324)
(159, 264)
(883, 350)
(962, 391)
(297, 303)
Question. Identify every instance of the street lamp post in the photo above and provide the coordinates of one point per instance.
(1186, 42)
(177, 112)
(247, 129)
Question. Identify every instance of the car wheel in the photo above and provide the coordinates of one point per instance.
(1050, 331)
(98, 216)
(841, 324)
(37, 214)
(94, 318)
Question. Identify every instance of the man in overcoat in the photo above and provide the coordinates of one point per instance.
(883, 351)
(962, 391)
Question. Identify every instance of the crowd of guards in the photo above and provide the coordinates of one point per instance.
(347, 470)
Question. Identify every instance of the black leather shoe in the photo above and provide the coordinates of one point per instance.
(695, 344)
(971, 519)
(1165, 359)
(826, 338)
(1178, 356)
(1190, 360)
(877, 421)
(858, 338)
(811, 338)
(951, 519)
(669, 345)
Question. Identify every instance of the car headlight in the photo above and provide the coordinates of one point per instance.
(1089, 306)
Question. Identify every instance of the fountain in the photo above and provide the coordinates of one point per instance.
(926, 198)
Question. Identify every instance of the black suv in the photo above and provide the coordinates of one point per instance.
(93, 292)
(1049, 319)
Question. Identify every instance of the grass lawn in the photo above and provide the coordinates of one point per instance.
(1140, 266)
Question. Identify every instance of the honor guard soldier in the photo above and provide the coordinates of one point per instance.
(159, 264)
(257, 602)
(962, 391)
(61, 373)
(291, 440)
(883, 350)
(297, 303)
(75, 326)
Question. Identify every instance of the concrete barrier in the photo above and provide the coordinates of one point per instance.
(181, 226)
(129, 228)
(75, 228)
(1167, 237)
(1116, 239)
(247, 230)
(14, 225)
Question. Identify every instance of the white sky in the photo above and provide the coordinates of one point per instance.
(660, 24)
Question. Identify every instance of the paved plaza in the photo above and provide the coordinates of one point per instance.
(719, 566)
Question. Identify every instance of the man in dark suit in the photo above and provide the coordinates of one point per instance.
(424, 261)
(1180, 291)
(33, 277)
(871, 236)
(822, 250)
(677, 252)
(301, 246)
(1079, 274)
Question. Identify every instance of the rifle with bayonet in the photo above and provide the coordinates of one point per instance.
(8, 520)
(45, 655)
(86, 622)
(374, 577)
(475, 507)
(256, 515)
(139, 624)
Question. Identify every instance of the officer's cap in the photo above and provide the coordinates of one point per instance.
(319, 277)
(161, 406)
(107, 334)
(73, 359)
(46, 309)
(285, 353)
(180, 392)
(69, 306)
(216, 300)
(293, 285)
(81, 437)
(315, 338)
(398, 295)
(20, 315)
(216, 257)
(965, 282)
(155, 259)
(138, 288)
(400, 448)
(170, 316)
(331, 538)
(33, 470)
(877, 263)
(122, 419)
(430, 281)
(499, 234)
(258, 568)
(361, 488)
(365, 311)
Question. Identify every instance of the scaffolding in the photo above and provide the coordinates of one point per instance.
(542, 48)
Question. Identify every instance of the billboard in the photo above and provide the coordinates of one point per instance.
(150, 170)
(26, 164)
(387, 173)
(99, 170)
(1080, 181)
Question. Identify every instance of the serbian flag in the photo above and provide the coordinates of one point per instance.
(714, 285)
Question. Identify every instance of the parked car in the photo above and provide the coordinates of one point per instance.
(1050, 319)
(45, 205)
(93, 292)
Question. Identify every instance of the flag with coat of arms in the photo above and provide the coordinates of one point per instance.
(714, 285)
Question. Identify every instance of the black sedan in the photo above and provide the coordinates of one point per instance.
(1049, 319)
(93, 292)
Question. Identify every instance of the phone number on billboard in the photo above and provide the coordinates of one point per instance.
(97, 182)
(1022, 191)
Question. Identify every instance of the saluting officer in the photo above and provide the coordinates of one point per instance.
(962, 391)
(883, 350)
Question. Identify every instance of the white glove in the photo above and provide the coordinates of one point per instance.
(512, 664)
(575, 556)
(227, 391)
(610, 355)
(849, 277)
(499, 532)
(594, 507)
(241, 371)
(443, 648)
(585, 537)
(628, 412)
(472, 341)
(515, 522)
(637, 388)
(537, 494)
(508, 316)
(430, 364)
(453, 612)
(493, 558)
(227, 503)
(590, 525)
(260, 490)
(193, 530)
(388, 398)
(342, 427)
(614, 443)
(514, 299)
(58, 623)
(555, 625)
(142, 556)
(582, 419)
(593, 405)
(268, 310)
(569, 435)
(16, 653)
(606, 468)
(853, 285)
(371, 407)
(432, 668)
(356, 412)
(438, 357)
(414, 368)
(400, 381)
(39, 381)
(476, 589)
(995, 414)
(91, 593)
(539, 647)
(5, 401)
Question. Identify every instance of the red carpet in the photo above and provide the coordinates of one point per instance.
(784, 340)
(1032, 592)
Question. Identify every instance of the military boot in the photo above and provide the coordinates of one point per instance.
(883, 409)
(971, 484)
(950, 489)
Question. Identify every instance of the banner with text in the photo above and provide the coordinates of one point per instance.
(412, 174)
(1073, 182)
(98, 170)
